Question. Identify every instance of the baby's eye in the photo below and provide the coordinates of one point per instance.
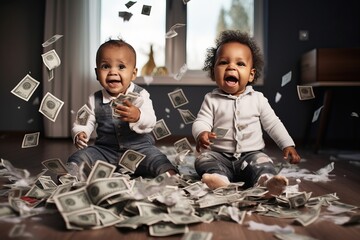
(222, 62)
(122, 66)
(241, 64)
(104, 66)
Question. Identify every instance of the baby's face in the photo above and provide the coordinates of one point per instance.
(116, 69)
(233, 68)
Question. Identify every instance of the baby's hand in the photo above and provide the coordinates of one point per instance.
(128, 112)
(81, 140)
(203, 140)
(294, 156)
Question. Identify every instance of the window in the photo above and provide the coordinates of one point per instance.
(203, 20)
(141, 31)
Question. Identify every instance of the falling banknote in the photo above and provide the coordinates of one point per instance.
(25, 88)
(50, 106)
(51, 59)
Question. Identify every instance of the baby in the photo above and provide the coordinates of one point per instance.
(240, 113)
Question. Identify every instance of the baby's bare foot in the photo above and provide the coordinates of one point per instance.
(214, 180)
(276, 185)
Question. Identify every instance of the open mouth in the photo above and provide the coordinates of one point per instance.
(113, 82)
(231, 80)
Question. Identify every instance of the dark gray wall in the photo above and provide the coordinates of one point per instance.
(330, 24)
(21, 27)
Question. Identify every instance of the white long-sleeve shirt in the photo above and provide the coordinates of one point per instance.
(244, 116)
(145, 124)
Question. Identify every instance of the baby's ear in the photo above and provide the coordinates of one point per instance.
(252, 74)
(134, 74)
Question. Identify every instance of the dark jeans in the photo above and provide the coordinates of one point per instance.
(248, 168)
(154, 164)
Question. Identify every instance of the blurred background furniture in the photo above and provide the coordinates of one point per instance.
(330, 69)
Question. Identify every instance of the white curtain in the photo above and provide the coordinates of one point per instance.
(79, 23)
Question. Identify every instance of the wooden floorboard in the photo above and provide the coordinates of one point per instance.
(345, 183)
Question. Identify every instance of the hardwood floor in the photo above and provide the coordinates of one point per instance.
(345, 183)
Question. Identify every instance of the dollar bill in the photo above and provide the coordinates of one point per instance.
(37, 193)
(278, 97)
(103, 188)
(181, 219)
(305, 92)
(337, 207)
(325, 170)
(192, 235)
(47, 183)
(221, 132)
(52, 40)
(196, 190)
(101, 169)
(180, 157)
(183, 144)
(211, 200)
(186, 116)
(131, 159)
(60, 189)
(25, 88)
(50, 106)
(50, 75)
(82, 220)
(160, 130)
(310, 216)
(172, 33)
(73, 201)
(51, 59)
(178, 98)
(286, 79)
(30, 140)
(230, 189)
(83, 115)
(129, 4)
(316, 114)
(233, 213)
(298, 200)
(125, 15)
(146, 10)
(131, 97)
(167, 229)
(107, 217)
(55, 165)
(67, 178)
(148, 209)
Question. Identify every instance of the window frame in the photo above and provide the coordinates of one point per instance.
(176, 12)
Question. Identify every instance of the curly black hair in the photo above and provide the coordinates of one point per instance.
(228, 36)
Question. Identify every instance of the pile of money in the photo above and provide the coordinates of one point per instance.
(101, 196)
